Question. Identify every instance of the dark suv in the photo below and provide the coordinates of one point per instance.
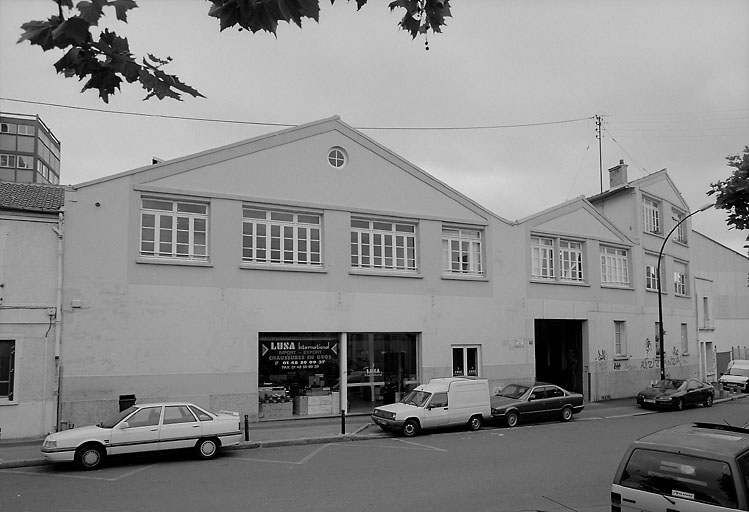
(697, 467)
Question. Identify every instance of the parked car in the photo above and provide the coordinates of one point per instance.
(677, 394)
(145, 428)
(736, 378)
(697, 467)
(540, 401)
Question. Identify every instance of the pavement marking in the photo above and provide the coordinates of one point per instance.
(79, 476)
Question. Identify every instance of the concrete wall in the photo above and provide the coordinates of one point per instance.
(28, 273)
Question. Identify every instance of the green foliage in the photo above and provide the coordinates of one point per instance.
(105, 62)
(732, 194)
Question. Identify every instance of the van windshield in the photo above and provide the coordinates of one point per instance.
(417, 398)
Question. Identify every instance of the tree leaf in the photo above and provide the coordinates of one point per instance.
(91, 11)
(121, 7)
(74, 29)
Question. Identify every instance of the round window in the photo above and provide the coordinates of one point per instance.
(337, 157)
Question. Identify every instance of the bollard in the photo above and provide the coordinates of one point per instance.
(246, 427)
(343, 422)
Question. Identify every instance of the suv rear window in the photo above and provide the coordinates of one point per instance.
(681, 476)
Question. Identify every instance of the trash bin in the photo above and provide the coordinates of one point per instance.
(126, 401)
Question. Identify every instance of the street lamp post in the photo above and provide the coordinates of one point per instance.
(660, 295)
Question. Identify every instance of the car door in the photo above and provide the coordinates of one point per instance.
(437, 413)
(139, 432)
(555, 400)
(536, 406)
(180, 428)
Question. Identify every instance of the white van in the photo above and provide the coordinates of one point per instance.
(439, 403)
(736, 377)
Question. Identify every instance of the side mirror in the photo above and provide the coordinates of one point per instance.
(124, 425)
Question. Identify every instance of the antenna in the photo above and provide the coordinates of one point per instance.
(599, 136)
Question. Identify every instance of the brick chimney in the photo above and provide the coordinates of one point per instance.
(618, 175)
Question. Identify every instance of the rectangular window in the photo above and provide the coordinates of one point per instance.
(7, 128)
(620, 339)
(461, 251)
(25, 162)
(466, 361)
(651, 277)
(8, 161)
(542, 256)
(614, 266)
(383, 245)
(174, 229)
(684, 339)
(26, 129)
(680, 235)
(7, 362)
(281, 237)
(680, 278)
(571, 260)
(651, 211)
(706, 322)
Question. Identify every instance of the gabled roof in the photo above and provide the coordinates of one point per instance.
(31, 197)
(576, 217)
(159, 173)
(642, 183)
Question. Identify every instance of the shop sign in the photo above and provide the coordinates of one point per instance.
(299, 355)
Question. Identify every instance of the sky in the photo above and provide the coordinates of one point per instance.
(501, 107)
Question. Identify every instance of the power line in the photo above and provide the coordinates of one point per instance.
(257, 123)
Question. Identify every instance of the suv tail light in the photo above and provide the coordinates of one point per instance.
(616, 502)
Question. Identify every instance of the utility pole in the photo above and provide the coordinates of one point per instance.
(599, 136)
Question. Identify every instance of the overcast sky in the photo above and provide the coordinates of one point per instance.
(670, 78)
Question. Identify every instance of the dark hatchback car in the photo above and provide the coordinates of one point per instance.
(540, 401)
(677, 394)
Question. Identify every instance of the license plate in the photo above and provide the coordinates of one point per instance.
(379, 422)
(649, 400)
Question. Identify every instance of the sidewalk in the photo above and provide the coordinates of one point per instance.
(16, 453)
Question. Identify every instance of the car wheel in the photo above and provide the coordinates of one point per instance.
(567, 414)
(475, 423)
(708, 401)
(680, 404)
(410, 428)
(90, 456)
(207, 448)
(511, 419)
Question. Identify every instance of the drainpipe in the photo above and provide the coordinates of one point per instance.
(58, 308)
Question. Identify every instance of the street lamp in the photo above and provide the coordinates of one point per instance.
(660, 295)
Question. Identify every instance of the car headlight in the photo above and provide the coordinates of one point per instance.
(49, 444)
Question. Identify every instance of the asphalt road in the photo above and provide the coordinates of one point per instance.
(552, 467)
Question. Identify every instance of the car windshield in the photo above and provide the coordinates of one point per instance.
(114, 420)
(668, 384)
(739, 372)
(417, 398)
(513, 391)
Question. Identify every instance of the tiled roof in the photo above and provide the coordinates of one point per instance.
(31, 197)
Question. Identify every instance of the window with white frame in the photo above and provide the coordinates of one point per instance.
(461, 251)
(614, 266)
(281, 237)
(26, 129)
(680, 278)
(706, 322)
(680, 235)
(8, 161)
(7, 368)
(542, 258)
(383, 245)
(466, 360)
(620, 338)
(25, 162)
(651, 277)
(651, 214)
(570, 260)
(174, 229)
(7, 128)
(684, 339)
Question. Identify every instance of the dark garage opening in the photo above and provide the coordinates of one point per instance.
(559, 353)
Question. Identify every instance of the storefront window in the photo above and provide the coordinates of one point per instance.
(381, 368)
(298, 375)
